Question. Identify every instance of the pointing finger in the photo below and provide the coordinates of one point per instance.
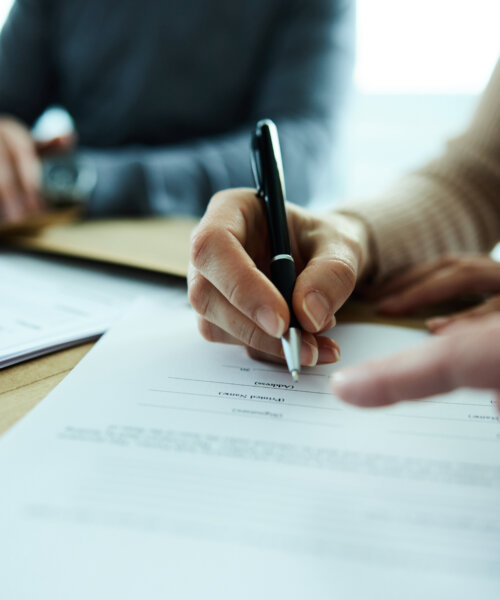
(441, 365)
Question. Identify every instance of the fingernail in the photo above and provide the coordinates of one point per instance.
(317, 309)
(328, 354)
(437, 322)
(270, 322)
(308, 354)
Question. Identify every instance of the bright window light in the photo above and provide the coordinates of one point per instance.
(4, 10)
(426, 46)
(420, 46)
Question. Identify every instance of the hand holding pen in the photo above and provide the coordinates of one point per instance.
(238, 304)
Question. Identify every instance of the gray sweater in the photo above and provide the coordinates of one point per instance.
(164, 93)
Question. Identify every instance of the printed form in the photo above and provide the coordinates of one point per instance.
(164, 466)
(47, 304)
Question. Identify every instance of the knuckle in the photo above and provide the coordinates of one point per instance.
(243, 292)
(254, 337)
(219, 197)
(235, 197)
(248, 334)
(235, 292)
(205, 244)
(199, 293)
(342, 273)
(201, 241)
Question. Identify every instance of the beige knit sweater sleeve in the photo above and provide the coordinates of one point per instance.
(450, 205)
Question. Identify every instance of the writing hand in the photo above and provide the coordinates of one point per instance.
(228, 276)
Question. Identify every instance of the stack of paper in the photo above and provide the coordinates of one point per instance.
(166, 467)
(48, 304)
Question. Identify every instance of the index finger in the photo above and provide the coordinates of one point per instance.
(227, 248)
(439, 366)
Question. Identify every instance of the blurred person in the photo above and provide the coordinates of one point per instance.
(163, 95)
(451, 205)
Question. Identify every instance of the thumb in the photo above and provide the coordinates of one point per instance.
(321, 289)
(326, 281)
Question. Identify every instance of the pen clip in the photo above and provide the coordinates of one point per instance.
(256, 164)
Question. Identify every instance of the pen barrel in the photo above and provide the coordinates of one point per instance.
(279, 238)
(283, 277)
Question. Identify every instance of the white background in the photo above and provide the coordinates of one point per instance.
(426, 46)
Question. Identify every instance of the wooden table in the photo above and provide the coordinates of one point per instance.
(23, 386)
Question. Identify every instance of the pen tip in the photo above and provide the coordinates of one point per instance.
(295, 375)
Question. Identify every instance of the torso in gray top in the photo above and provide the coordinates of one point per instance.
(163, 94)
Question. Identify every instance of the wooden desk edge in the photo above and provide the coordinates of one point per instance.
(23, 386)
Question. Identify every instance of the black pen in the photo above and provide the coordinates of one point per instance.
(267, 170)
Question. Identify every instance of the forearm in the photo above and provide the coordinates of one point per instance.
(181, 179)
(165, 181)
(450, 205)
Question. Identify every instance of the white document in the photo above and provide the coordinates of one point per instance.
(167, 467)
(49, 304)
